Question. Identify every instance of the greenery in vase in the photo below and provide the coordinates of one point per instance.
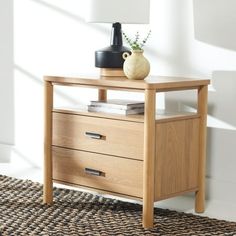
(136, 44)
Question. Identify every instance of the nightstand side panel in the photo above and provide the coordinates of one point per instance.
(177, 156)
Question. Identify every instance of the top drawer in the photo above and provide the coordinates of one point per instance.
(113, 137)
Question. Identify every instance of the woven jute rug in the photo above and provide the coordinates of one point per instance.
(77, 213)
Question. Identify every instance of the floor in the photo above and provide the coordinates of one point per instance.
(214, 209)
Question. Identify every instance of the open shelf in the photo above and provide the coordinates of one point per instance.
(161, 115)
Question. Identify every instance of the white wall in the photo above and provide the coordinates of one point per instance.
(50, 37)
(6, 80)
(208, 45)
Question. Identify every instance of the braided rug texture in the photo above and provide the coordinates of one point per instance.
(77, 213)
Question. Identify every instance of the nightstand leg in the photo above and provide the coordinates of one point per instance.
(48, 185)
(202, 110)
(149, 157)
(102, 94)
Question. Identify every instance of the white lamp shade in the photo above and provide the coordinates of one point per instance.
(123, 11)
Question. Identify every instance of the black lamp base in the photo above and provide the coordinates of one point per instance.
(111, 57)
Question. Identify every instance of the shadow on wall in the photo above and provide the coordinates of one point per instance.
(6, 80)
(221, 122)
(214, 22)
(222, 126)
(39, 81)
(221, 134)
(70, 15)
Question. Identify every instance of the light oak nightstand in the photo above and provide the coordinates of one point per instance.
(147, 157)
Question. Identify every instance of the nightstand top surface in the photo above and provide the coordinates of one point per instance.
(161, 83)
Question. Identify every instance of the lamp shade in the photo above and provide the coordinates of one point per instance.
(123, 11)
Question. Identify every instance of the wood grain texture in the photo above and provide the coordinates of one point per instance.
(69, 131)
(98, 191)
(102, 94)
(142, 157)
(133, 118)
(118, 174)
(176, 165)
(112, 72)
(48, 105)
(202, 110)
(159, 83)
(149, 156)
(163, 116)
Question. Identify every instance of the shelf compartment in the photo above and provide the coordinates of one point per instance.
(161, 115)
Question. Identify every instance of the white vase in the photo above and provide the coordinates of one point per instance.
(136, 66)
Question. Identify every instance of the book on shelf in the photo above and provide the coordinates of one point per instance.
(139, 110)
(118, 104)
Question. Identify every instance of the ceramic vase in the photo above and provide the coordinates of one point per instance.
(136, 66)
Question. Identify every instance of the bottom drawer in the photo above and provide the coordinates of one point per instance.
(98, 171)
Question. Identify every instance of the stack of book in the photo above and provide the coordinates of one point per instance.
(117, 106)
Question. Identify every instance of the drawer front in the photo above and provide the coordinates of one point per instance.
(98, 171)
(107, 136)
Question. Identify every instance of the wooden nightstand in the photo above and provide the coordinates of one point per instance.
(148, 157)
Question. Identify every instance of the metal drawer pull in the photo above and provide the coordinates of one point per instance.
(93, 172)
(93, 135)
